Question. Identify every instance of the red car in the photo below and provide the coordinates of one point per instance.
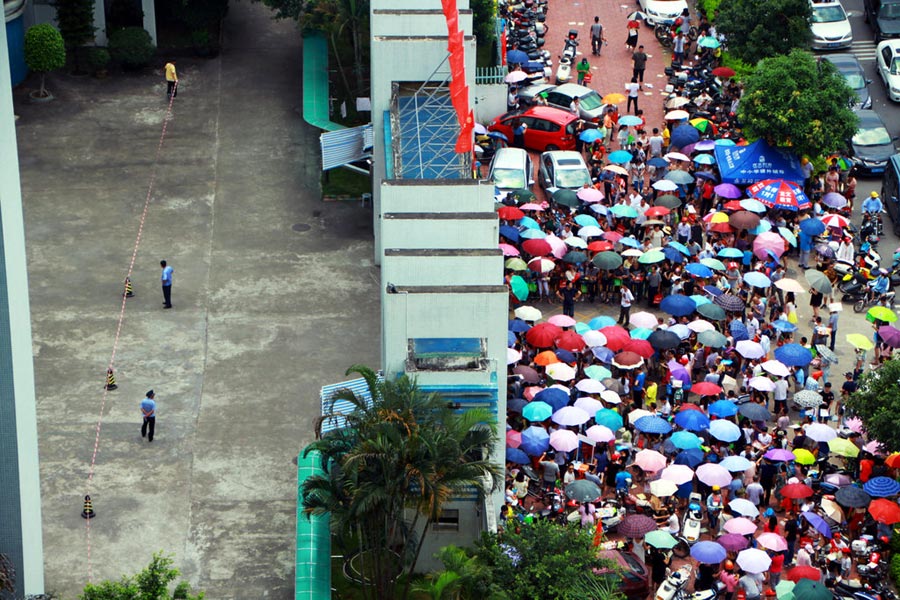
(632, 578)
(547, 128)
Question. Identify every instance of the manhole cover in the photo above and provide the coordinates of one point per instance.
(300, 227)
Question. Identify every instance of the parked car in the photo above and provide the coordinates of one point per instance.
(528, 94)
(547, 128)
(890, 191)
(872, 145)
(661, 11)
(563, 169)
(884, 18)
(590, 103)
(887, 63)
(848, 66)
(635, 581)
(511, 169)
(830, 26)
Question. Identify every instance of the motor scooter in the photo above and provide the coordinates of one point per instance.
(675, 587)
(693, 518)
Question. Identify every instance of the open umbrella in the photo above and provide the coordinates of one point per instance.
(852, 497)
(636, 526)
(650, 460)
(526, 313)
(712, 339)
(744, 507)
(660, 538)
(885, 511)
(627, 360)
(820, 432)
(537, 411)
(843, 447)
(780, 194)
(712, 311)
(802, 456)
(796, 491)
(881, 487)
(776, 368)
(735, 463)
(692, 457)
(881, 313)
(808, 398)
(609, 418)
(754, 560)
(652, 424)
(730, 302)
(685, 439)
(755, 412)
(691, 420)
(818, 281)
(600, 434)
(662, 339)
(740, 525)
(517, 456)
(723, 408)
(607, 261)
(542, 335)
(817, 522)
(677, 305)
(779, 455)
(564, 440)
(713, 474)
(677, 474)
(725, 431)
(582, 490)
(772, 541)
(527, 373)
(535, 440)
(744, 220)
(811, 590)
(570, 416)
(803, 573)
(710, 553)
(733, 542)
(859, 341)
(708, 388)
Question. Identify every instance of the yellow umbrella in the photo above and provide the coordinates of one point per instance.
(859, 341)
(719, 217)
(804, 457)
(614, 98)
(843, 447)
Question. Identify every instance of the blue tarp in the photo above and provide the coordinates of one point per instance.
(743, 165)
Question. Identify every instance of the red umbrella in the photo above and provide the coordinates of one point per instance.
(542, 335)
(725, 72)
(510, 213)
(657, 211)
(689, 406)
(893, 461)
(599, 246)
(569, 340)
(706, 388)
(719, 228)
(733, 205)
(612, 236)
(885, 511)
(627, 360)
(616, 337)
(537, 247)
(796, 491)
(804, 572)
(640, 347)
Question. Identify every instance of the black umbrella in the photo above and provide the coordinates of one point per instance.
(583, 490)
(516, 404)
(712, 311)
(852, 497)
(730, 302)
(755, 412)
(663, 340)
(668, 200)
(528, 374)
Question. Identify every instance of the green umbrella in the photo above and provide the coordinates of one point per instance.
(522, 195)
(712, 339)
(708, 41)
(807, 589)
(668, 200)
(652, 256)
(785, 589)
(681, 177)
(607, 260)
(516, 264)
(519, 287)
(597, 372)
(574, 257)
(566, 198)
(582, 490)
(818, 281)
(661, 539)
(712, 311)
(623, 210)
(881, 313)
(713, 263)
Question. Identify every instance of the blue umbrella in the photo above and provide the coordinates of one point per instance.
(565, 356)
(710, 553)
(658, 162)
(680, 247)
(518, 326)
(497, 136)
(738, 331)
(619, 157)
(736, 463)
(706, 175)
(700, 300)
(586, 221)
(640, 333)
(712, 290)
(517, 456)
(705, 159)
(510, 233)
(681, 330)
(684, 135)
(692, 420)
(684, 440)
(673, 255)
(609, 418)
(582, 328)
(537, 411)
(725, 142)
(793, 355)
(555, 397)
(763, 227)
(784, 325)
(690, 458)
(757, 279)
(516, 57)
(652, 424)
(511, 338)
(725, 431)
(603, 354)
(730, 253)
(516, 404)
(533, 234)
(630, 241)
(880, 487)
(630, 120)
(818, 523)
(723, 408)
(535, 441)
(698, 270)
(677, 305)
(591, 135)
(601, 322)
(812, 226)
(529, 223)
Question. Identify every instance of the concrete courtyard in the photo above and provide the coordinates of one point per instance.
(275, 294)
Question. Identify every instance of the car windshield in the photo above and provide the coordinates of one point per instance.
(872, 136)
(828, 14)
(508, 179)
(572, 178)
(632, 563)
(895, 66)
(889, 11)
(591, 101)
(855, 80)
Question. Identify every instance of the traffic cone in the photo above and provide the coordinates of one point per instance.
(110, 380)
(88, 510)
(129, 289)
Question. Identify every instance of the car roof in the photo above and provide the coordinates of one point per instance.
(869, 118)
(825, 3)
(565, 157)
(573, 89)
(509, 158)
(549, 113)
(893, 44)
(843, 59)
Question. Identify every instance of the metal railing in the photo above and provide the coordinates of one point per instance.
(489, 75)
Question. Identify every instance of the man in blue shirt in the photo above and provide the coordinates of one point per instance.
(881, 285)
(166, 279)
(872, 204)
(623, 480)
(148, 411)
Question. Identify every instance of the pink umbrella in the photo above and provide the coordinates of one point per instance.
(854, 424)
(833, 220)
(564, 440)
(509, 250)
(768, 240)
(562, 320)
(714, 474)
(513, 438)
(873, 447)
(772, 541)
(678, 474)
(589, 195)
(531, 206)
(650, 460)
(600, 434)
(557, 246)
(589, 405)
(740, 525)
(530, 392)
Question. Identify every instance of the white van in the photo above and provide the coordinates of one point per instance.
(511, 169)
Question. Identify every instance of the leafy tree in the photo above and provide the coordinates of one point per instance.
(542, 560)
(877, 403)
(152, 583)
(799, 102)
(470, 578)
(75, 19)
(391, 469)
(758, 30)
(483, 20)
(45, 51)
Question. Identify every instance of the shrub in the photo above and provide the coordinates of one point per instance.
(45, 51)
(98, 58)
(709, 8)
(132, 47)
(895, 569)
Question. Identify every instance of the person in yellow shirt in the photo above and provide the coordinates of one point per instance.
(650, 393)
(171, 80)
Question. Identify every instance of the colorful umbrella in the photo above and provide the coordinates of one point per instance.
(859, 341)
(780, 194)
(733, 542)
(803, 573)
(843, 447)
(881, 487)
(802, 456)
(881, 313)
(796, 491)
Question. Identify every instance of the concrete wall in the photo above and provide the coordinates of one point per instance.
(490, 102)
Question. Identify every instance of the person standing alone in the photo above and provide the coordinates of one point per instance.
(597, 38)
(166, 279)
(148, 411)
(171, 80)
(639, 59)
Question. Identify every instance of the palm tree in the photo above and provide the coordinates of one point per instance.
(391, 470)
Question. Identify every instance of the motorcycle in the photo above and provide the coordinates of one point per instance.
(872, 298)
(610, 514)
(567, 59)
(675, 587)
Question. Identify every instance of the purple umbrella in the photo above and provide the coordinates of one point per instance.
(710, 553)
(890, 335)
(733, 542)
(727, 190)
(703, 145)
(779, 455)
(682, 375)
(834, 200)
(818, 523)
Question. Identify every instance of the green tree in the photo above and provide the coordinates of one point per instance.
(75, 19)
(471, 579)
(484, 20)
(542, 560)
(798, 102)
(877, 403)
(152, 583)
(391, 469)
(758, 30)
(45, 51)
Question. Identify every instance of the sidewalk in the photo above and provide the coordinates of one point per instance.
(275, 294)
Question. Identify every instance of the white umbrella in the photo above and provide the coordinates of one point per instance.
(677, 102)
(790, 285)
(699, 325)
(663, 185)
(528, 313)
(561, 372)
(713, 474)
(750, 349)
(588, 404)
(513, 356)
(570, 416)
(590, 386)
(725, 431)
(676, 115)
(637, 414)
(589, 232)
(677, 155)
(600, 434)
(643, 319)
(650, 460)
(564, 440)
(744, 507)
(776, 368)
(762, 383)
(663, 488)
(611, 397)
(593, 338)
(575, 242)
(516, 77)
(634, 252)
(808, 398)
(820, 432)
(754, 560)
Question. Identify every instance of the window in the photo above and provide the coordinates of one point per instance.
(447, 521)
(446, 354)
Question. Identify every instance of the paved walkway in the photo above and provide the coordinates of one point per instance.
(265, 312)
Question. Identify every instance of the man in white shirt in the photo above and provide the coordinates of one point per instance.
(780, 394)
(656, 143)
(625, 305)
